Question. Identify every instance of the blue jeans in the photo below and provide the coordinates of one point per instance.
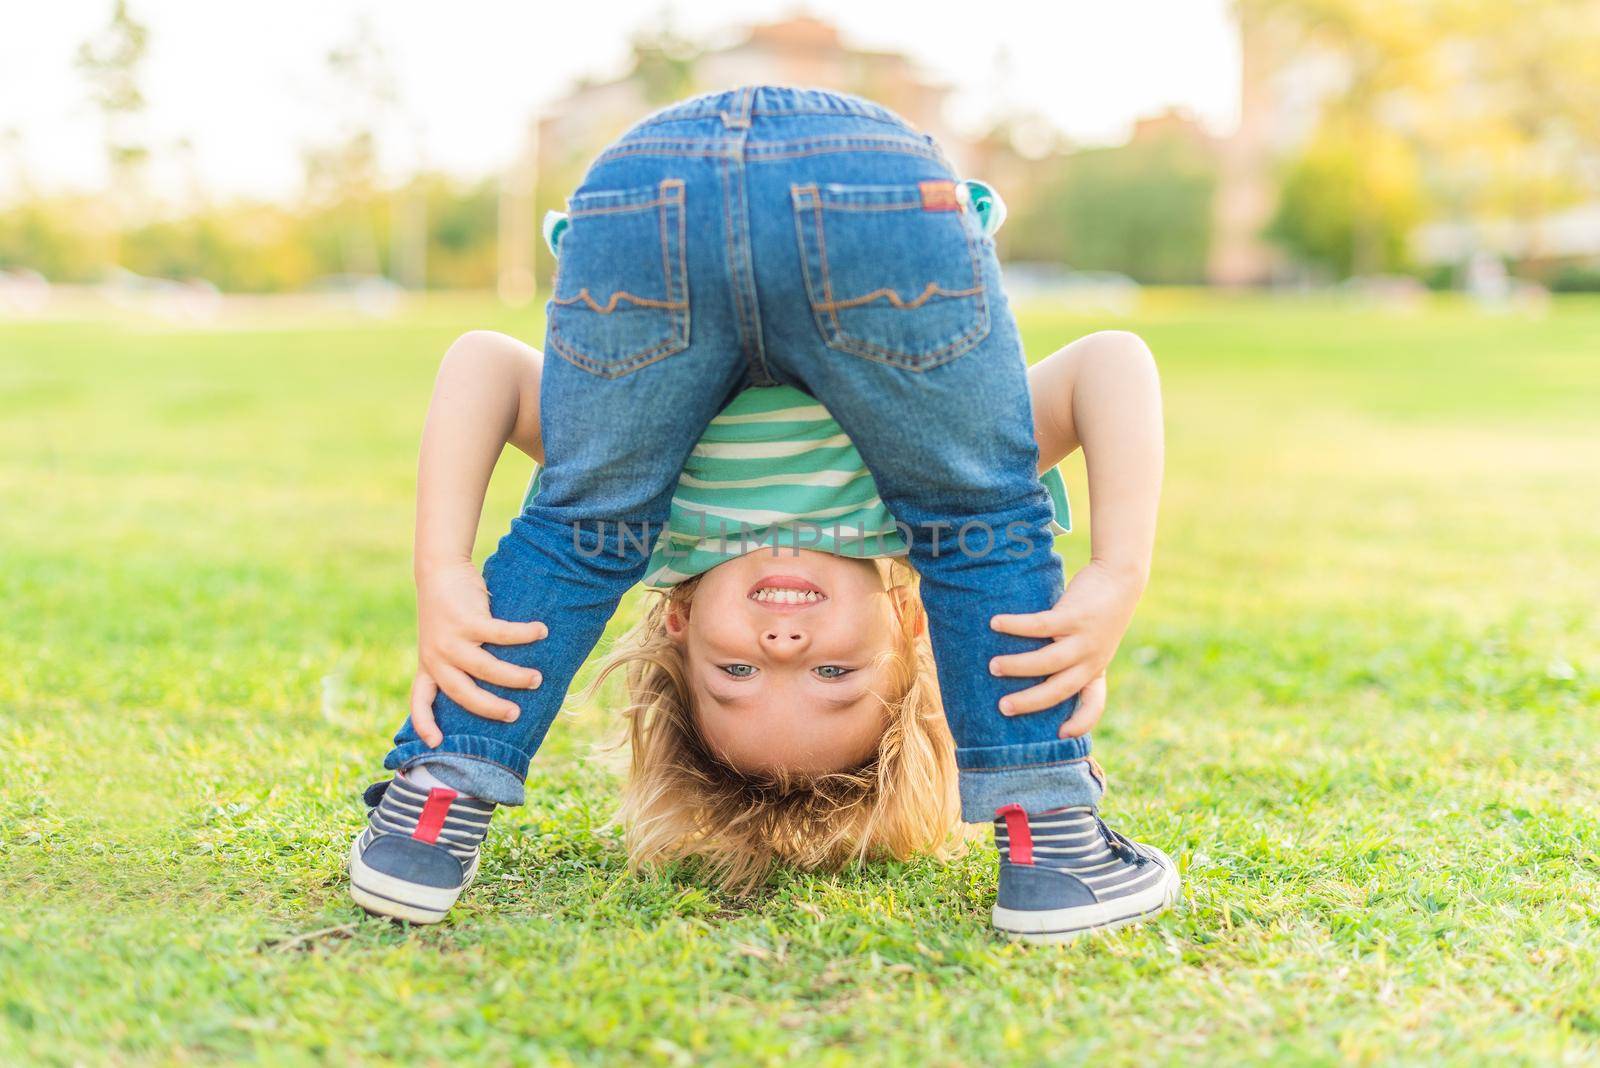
(764, 236)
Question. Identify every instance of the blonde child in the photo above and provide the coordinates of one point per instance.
(818, 246)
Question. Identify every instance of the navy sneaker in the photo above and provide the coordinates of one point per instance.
(1064, 873)
(418, 852)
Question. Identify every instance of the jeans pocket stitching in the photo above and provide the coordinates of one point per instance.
(926, 361)
(616, 369)
(808, 199)
(622, 294)
(668, 197)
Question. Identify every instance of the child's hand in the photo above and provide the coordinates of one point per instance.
(453, 623)
(1085, 626)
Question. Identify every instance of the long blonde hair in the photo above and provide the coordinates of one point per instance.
(682, 802)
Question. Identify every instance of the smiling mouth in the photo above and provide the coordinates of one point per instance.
(786, 593)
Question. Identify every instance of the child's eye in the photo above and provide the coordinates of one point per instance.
(739, 671)
(832, 671)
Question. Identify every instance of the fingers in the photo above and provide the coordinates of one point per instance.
(484, 665)
(1051, 623)
(505, 632)
(1037, 663)
(423, 691)
(1091, 705)
(466, 693)
(1052, 691)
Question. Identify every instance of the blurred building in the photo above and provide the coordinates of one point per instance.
(1282, 87)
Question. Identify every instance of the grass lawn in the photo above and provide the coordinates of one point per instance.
(1359, 705)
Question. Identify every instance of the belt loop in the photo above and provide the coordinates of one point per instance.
(738, 116)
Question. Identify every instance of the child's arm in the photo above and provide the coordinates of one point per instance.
(1101, 392)
(486, 394)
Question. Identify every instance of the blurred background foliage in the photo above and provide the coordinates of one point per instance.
(1142, 209)
(262, 247)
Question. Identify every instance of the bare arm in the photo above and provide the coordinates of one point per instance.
(1101, 393)
(486, 395)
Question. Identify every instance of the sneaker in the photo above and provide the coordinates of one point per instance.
(1064, 873)
(418, 852)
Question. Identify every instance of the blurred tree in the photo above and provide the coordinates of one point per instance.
(1483, 108)
(1142, 209)
(664, 60)
(268, 248)
(111, 62)
(59, 238)
(462, 233)
(343, 176)
(1350, 202)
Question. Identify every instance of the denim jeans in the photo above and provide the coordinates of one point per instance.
(764, 236)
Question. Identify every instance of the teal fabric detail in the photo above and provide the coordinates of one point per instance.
(986, 204)
(555, 225)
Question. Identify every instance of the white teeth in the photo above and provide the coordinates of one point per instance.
(781, 596)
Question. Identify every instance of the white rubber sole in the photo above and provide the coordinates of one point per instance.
(1051, 926)
(384, 895)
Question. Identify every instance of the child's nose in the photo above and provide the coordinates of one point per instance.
(784, 641)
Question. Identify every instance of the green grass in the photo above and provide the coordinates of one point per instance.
(1358, 705)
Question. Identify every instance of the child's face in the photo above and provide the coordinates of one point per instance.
(788, 657)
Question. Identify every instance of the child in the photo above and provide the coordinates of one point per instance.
(827, 249)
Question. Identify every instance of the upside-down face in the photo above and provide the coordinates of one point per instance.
(789, 657)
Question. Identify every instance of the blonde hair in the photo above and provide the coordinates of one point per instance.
(682, 802)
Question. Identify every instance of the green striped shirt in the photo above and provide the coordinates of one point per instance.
(774, 469)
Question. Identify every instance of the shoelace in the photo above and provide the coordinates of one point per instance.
(372, 796)
(1120, 845)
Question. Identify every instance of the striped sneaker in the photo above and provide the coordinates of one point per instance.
(418, 852)
(1064, 872)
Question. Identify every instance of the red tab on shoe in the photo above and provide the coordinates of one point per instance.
(434, 810)
(1019, 837)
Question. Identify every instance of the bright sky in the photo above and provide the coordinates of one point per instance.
(246, 84)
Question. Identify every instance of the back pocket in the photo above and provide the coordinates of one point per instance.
(621, 292)
(893, 272)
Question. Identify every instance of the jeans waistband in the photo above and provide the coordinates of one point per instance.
(736, 107)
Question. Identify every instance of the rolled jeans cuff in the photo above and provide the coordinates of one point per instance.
(486, 768)
(1035, 775)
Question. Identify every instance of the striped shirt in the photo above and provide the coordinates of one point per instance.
(774, 469)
